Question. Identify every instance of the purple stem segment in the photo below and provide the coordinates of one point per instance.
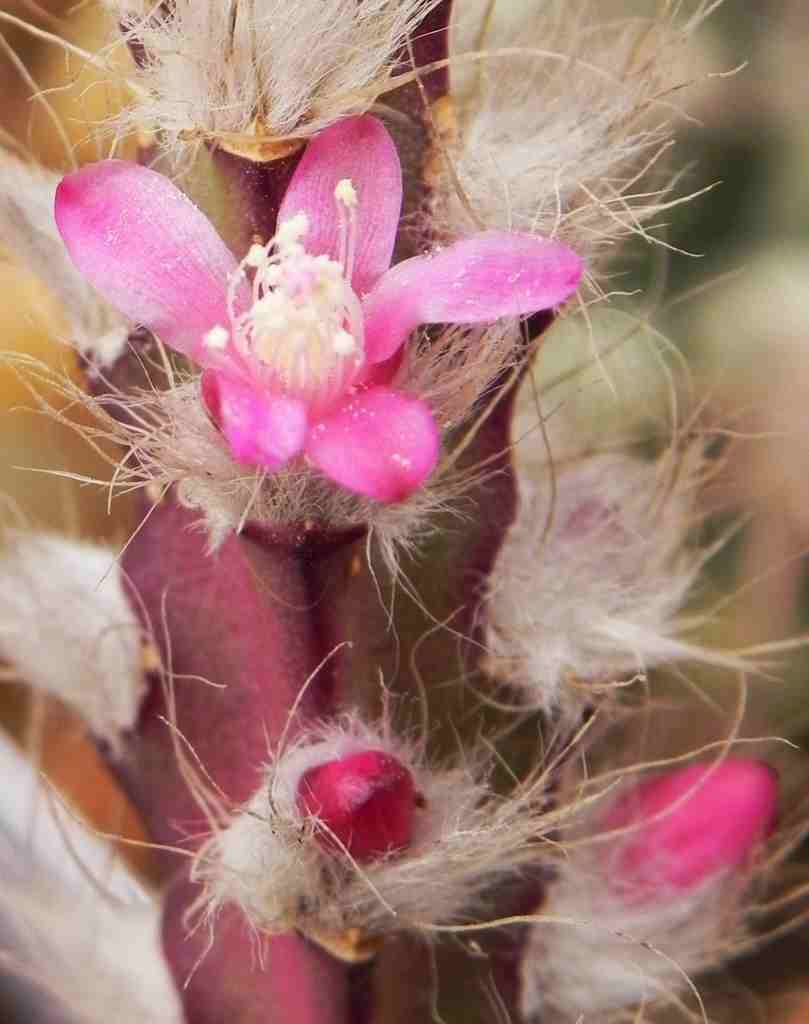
(247, 979)
(238, 640)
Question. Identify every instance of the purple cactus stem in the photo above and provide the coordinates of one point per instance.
(366, 800)
(243, 642)
(429, 45)
(237, 977)
(255, 190)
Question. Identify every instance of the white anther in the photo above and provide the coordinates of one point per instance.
(217, 338)
(343, 343)
(291, 231)
(256, 255)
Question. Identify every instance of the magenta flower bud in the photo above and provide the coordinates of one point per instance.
(366, 801)
(718, 815)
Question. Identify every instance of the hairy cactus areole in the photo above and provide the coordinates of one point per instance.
(299, 360)
(689, 825)
(658, 895)
(364, 801)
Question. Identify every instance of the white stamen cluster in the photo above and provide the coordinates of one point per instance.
(305, 322)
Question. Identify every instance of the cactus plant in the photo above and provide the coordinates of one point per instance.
(352, 664)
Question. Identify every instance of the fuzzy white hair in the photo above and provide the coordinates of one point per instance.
(68, 629)
(170, 442)
(587, 585)
(555, 120)
(604, 955)
(217, 70)
(28, 231)
(603, 948)
(77, 931)
(267, 859)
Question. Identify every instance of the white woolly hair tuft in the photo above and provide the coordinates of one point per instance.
(267, 860)
(558, 116)
(169, 441)
(593, 953)
(225, 70)
(28, 231)
(68, 629)
(79, 936)
(590, 579)
(605, 956)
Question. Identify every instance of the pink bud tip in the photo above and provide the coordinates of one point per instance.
(365, 800)
(718, 816)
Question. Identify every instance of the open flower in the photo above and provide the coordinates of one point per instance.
(299, 341)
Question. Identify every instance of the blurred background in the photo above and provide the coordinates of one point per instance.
(737, 310)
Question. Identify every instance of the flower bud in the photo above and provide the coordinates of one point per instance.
(365, 801)
(691, 824)
(657, 897)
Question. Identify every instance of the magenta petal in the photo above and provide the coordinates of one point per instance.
(478, 280)
(262, 428)
(380, 443)
(360, 149)
(149, 251)
(717, 815)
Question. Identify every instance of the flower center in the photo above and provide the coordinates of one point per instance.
(304, 328)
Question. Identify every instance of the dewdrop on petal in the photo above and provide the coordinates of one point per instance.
(662, 896)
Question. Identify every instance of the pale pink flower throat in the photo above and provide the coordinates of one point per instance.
(305, 324)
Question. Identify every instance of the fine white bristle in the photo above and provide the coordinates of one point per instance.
(589, 581)
(557, 112)
(221, 71)
(67, 628)
(79, 936)
(598, 948)
(28, 231)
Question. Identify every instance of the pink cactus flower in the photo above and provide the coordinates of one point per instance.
(366, 800)
(717, 816)
(298, 340)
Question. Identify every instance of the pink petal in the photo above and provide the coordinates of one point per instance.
(262, 428)
(360, 149)
(366, 800)
(380, 443)
(477, 280)
(149, 251)
(724, 812)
